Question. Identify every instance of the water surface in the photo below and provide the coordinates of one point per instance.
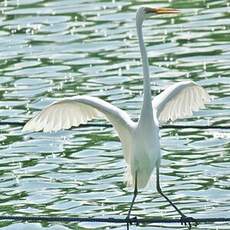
(61, 48)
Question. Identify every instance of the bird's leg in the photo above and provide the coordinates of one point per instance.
(184, 219)
(131, 206)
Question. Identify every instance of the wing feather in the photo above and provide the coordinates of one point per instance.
(180, 100)
(67, 113)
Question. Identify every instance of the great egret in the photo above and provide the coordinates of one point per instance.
(140, 140)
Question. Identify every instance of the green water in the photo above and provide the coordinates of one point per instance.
(62, 48)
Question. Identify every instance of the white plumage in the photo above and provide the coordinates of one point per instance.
(179, 101)
(140, 140)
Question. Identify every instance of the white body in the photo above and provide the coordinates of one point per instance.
(140, 140)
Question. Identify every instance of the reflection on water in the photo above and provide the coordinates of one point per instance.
(54, 49)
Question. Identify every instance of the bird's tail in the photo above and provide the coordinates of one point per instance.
(144, 178)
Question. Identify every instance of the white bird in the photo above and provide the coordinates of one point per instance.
(140, 140)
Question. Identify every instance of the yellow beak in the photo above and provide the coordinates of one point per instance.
(165, 11)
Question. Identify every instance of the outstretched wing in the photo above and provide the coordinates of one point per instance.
(67, 113)
(180, 100)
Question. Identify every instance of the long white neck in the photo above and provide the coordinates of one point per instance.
(146, 111)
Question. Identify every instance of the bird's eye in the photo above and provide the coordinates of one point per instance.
(148, 10)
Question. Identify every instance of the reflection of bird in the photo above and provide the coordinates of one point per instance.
(140, 141)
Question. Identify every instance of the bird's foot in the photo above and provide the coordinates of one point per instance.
(132, 220)
(188, 221)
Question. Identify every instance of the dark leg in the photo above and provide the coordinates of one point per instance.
(184, 219)
(131, 206)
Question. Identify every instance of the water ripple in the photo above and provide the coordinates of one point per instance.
(63, 48)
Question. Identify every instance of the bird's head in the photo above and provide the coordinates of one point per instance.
(146, 12)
